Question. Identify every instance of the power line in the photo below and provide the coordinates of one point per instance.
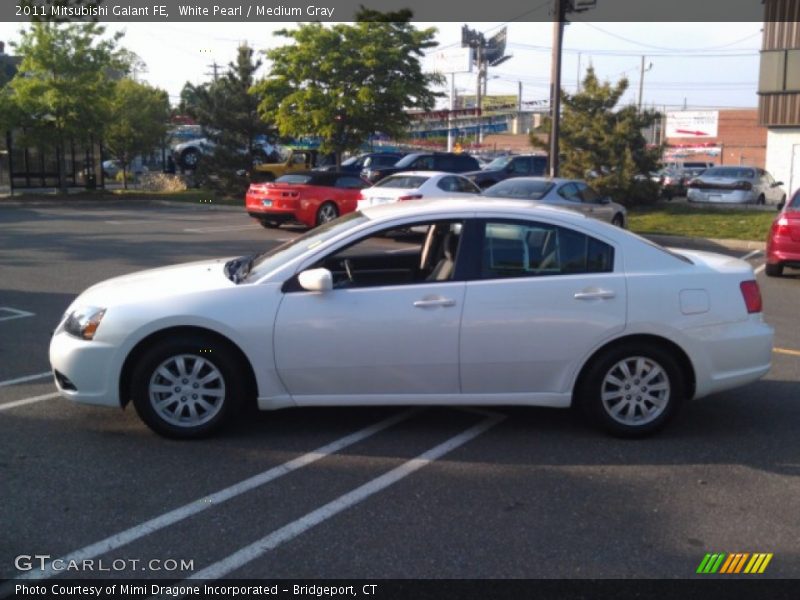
(644, 45)
(536, 48)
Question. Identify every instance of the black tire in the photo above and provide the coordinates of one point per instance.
(761, 200)
(618, 220)
(223, 392)
(327, 212)
(189, 158)
(269, 224)
(657, 363)
(775, 270)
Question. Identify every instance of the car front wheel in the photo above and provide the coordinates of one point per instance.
(618, 220)
(632, 390)
(186, 387)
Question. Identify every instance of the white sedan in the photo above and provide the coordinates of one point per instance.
(416, 185)
(499, 303)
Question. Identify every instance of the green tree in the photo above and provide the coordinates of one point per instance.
(599, 138)
(229, 115)
(137, 121)
(63, 87)
(347, 82)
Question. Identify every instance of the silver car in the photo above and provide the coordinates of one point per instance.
(566, 193)
(736, 185)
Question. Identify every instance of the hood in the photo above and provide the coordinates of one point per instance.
(157, 283)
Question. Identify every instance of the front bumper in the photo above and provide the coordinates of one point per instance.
(89, 366)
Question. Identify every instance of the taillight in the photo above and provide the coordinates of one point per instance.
(743, 185)
(780, 226)
(752, 296)
(409, 197)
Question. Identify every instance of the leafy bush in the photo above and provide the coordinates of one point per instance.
(162, 182)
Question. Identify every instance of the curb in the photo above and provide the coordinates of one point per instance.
(706, 243)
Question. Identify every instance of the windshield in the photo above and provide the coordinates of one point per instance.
(280, 255)
(517, 188)
(406, 160)
(407, 182)
(353, 160)
(294, 178)
(498, 163)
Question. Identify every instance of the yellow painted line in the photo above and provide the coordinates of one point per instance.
(755, 563)
(786, 351)
(765, 563)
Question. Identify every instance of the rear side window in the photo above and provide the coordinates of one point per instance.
(528, 249)
(294, 178)
(402, 181)
(352, 183)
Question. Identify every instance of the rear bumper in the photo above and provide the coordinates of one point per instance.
(721, 196)
(274, 216)
(784, 251)
(730, 355)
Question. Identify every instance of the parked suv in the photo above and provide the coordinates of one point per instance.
(296, 160)
(429, 161)
(504, 167)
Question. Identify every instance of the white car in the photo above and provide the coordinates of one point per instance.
(573, 194)
(416, 185)
(500, 303)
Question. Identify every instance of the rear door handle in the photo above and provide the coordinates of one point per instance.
(594, 295)
(433, 302)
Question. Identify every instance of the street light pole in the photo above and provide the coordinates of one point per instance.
(555, 86)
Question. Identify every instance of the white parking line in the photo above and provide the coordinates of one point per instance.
(348, 500)
(220, 228)
(24, 401)
(24, 379)
(750, 255)
(179, 514)
(15, 313)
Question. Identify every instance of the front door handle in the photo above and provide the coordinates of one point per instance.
(594, 294)
(433, 302)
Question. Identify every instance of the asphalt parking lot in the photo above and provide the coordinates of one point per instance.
(364, 493)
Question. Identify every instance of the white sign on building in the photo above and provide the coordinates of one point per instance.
(692, 124)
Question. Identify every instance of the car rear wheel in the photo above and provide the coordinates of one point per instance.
(618, 220)
(775, 270)
(327, 212)
(761, 200)
(632, 390)
(186, 387)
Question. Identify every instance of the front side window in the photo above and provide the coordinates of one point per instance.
(412, 254)
(529, 249)
(569, 192)
(350, 183)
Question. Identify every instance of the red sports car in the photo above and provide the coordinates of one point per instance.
(308, 197)
(783, 242)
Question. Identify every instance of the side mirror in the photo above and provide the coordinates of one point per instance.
(777, 183)
(316, 280)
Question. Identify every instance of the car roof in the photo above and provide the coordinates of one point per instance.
(422, 174)
(556, 180)
(476, 204)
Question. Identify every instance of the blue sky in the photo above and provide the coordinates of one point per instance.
(701, 64)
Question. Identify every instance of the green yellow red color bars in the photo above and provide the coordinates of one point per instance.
(728, 564)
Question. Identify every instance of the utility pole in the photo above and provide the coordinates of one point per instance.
(642, 71)
(578, 80)
(555, 85)
(215, 70)
(478, 96)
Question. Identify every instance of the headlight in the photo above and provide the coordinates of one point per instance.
(83, 322)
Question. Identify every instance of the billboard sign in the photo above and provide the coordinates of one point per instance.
(692, 124)
(452, 60)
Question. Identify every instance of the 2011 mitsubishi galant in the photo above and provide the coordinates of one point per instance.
(498, 303)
